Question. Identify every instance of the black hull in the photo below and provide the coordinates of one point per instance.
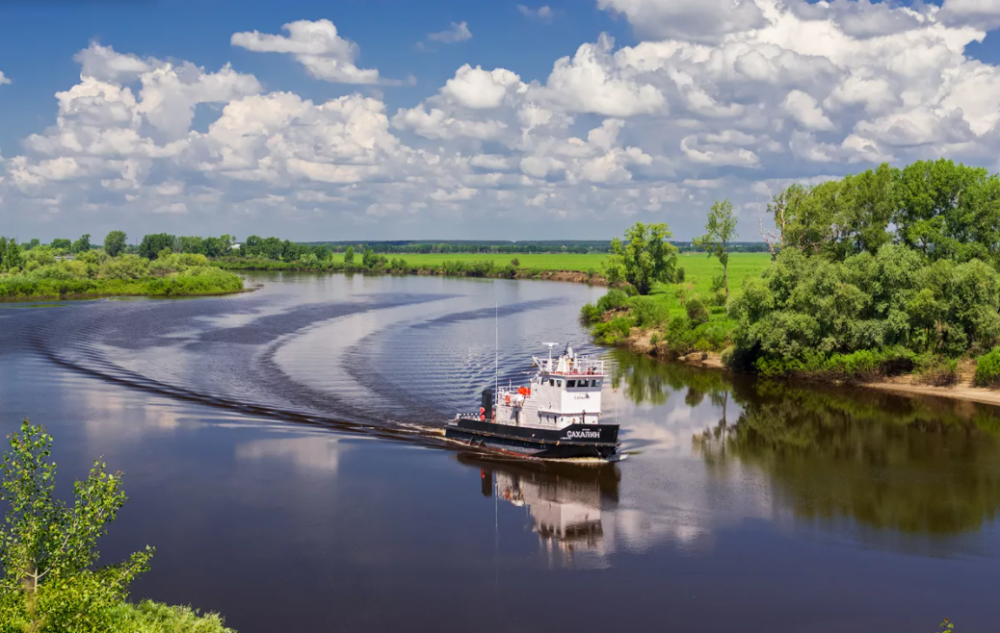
(574, 441)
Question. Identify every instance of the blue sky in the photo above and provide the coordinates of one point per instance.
(568, 119)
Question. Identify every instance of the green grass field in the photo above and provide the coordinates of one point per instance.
(699, 270)
(658, 310)
(698, 266)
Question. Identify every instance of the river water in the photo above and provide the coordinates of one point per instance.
(281, 450)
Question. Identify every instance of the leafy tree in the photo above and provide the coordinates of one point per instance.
(191, 244)
(216, 246)
(10, 254)
(114, 243)
(646, 257)
(82, 245)
(152, 244)
(48, 549)
(719, 232)
(349, 256)
(35, 242)
(61, 244)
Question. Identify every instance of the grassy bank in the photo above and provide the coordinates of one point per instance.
(94, 274)
(675, 318)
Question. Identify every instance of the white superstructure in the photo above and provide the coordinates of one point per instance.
(565, 391)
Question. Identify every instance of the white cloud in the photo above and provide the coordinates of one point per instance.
(696, 20)
(806, 111)
(315, 45)
(3, 79)
(544, 12)
(479, 89)
(801, 91)
(459, 32)
(976, 13)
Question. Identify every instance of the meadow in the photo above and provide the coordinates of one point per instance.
(664, 311)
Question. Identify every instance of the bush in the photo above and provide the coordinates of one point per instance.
(649, 313)
(696, 311)
(679, 275)
(719, 298)
(515, 262)
(988, 369)
(943, 373)
(590, 314)
(613, 300)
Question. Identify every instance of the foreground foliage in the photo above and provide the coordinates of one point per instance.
(50, 582)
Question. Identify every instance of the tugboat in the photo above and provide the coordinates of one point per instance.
(557, 415)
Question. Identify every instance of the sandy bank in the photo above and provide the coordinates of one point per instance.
(639, 342)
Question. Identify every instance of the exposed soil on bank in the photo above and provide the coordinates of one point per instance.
(964, 389)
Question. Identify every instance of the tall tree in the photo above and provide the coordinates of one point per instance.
(152, 244)
(114, 243)
(719, 232)
(349, 256)
(644, 258)
(82, 245)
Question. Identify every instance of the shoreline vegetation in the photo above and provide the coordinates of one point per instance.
(886, 279)
(44, 272)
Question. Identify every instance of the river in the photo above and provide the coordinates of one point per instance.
(281, 450)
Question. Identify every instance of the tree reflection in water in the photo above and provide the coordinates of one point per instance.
(913, 465)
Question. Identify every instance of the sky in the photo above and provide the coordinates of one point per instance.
(467, 119)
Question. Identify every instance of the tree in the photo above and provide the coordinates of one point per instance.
(152, 244)
(719, 232)
(10, 254)
(82, 245)
(114, 243)
(48, 549)
(646, 257)
(191, 244)
(349, 256)
(61, 244)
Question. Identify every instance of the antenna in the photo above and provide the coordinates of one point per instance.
(496, 353)
(551, 345)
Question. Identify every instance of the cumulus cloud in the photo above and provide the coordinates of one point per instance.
(975, 13)
(732, 106)
(696, 20)
(315, 45)
(3, 79)
(544, 12)
(459, 32)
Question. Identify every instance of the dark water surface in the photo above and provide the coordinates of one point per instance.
(281, 452)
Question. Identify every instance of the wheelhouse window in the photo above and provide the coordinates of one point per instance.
(571, 384)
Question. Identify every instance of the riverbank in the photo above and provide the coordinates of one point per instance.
(963, 389)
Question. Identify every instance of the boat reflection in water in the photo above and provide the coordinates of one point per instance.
(564, 500)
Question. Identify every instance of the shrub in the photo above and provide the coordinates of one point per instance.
(943, 373)
(590, 313)
(649, 313)
(988, 369)
(614, 300)
(679, 275)
(515, 262)
(696, 311)
(719, 298)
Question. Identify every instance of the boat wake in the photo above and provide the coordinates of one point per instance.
(389, 365)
